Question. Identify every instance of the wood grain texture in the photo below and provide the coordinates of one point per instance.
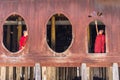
(36, 14)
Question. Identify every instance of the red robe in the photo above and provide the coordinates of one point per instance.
(22, 42)
(99, 44)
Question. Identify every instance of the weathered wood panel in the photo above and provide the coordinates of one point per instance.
(36, 14)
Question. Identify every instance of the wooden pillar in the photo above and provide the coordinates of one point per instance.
(51, 73)
(91, 73)
(18, 73)
(78, 71)
(44, 73)
(37, 72)
(3, 73)
(31, 73)
(10, 73)
(115, 71)
(57, 73)
(26, 73)
(7, 73)
(83, 71)
(88, 73)
(19, 28)
(53, 36)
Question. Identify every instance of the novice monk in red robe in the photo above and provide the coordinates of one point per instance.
(23, 40)
(99, 46)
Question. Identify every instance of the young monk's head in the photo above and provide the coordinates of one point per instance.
(25, 33)
(101, 31)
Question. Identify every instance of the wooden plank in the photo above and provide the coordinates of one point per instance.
(78, 71)
(37, 72)
(44, 73)
(83, 71)
(18, 73)
(3, 73)
(51, 71)
(26, 73)
(10, 73)
(7, 73)
(31, 73)
(115, 71)
(88, 73)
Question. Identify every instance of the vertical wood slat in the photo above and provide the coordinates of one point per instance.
(115, 71)
(7, 73)
(78, 72)
(83, 71)
(44, 75)
(26, 73)
(51, 71)
(3, 73)
(57, 73)
(91, 73)
(53, 33)
(18, 73)
(10, 73)
(31, 73)
(88, 73)
(37, 72)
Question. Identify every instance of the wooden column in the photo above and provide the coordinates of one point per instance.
(88, 73)
(3, 73)
(91, 73)
(19, 28)
(31, 73)
(78, 71)
(51, 73)
(57, 73)
(26, 73)
(83, 71)
(37, 72)
(115, 71)
(10, 73)
(53, 33)
(44, 73)
(18, 73)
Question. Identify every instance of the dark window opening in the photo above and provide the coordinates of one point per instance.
(92, 37)
(12, 31)
(59, 33)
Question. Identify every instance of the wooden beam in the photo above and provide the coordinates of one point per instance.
(83, 71)
(115, 71)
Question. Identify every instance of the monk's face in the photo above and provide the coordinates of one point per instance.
(25, 33)
(101, 32)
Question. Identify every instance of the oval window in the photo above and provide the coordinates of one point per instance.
(96, 37)
(14, 33)
(59, 33)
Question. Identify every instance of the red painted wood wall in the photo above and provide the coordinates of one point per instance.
(36, 14)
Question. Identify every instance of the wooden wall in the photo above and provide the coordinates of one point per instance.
(36, 14)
